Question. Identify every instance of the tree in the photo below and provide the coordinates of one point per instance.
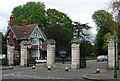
(105, 47)
(55, 17)
(60, 35)
(105, 23)
(35, 13)
(115, 10)
(2, 44)
(32, 12)
(114, 6)
(56, 25)
(100, 18)
(80, 30)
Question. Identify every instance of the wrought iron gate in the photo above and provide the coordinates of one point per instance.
(83, 54)
(62, 57)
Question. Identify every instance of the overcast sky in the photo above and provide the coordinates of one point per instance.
(77, 10)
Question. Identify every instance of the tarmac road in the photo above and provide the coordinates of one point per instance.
(42, 73)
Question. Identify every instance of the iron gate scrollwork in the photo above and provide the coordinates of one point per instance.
(62, 57)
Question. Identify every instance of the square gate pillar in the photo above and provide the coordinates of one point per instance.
(111, 53)
(51, 52)
(24, 53)
(10, 53)
(75, 50)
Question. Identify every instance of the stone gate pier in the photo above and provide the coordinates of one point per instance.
(75, 53)
(24, 53)
(10, 53)
(51, 52)
(111, 53)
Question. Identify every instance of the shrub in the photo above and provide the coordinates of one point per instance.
(31, 62)
(16, 61)
(3, 62)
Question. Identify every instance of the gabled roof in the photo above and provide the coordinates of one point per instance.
(17, 31)
(8, 30)
(40, 31)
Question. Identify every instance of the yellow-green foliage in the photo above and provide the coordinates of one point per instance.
(105, 47)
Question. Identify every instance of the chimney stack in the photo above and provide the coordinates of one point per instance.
(24, 27)
(11, 20)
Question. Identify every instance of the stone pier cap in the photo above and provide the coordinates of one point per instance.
(75, 40)
(24, 43)
(11, 44)
(111, 38)
(51, 41)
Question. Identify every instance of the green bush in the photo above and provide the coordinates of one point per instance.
(91, 58)
(31, 62)
(3, 62)
(16, 61)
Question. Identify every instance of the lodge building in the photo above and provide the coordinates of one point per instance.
(22, 42)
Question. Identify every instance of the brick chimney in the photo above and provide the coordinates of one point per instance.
(11, 20)
(24, 27)
(11, 36)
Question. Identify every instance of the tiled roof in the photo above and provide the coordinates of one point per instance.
(29, 29)
(18, 30)
(43, 34)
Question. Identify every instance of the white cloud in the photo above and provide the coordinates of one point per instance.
(77, 10)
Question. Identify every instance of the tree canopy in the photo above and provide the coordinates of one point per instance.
(56, 25)
(105, 47)
(60, 35)
(80, 30)
(56, 17)
(114, 6)
(32, 12)
(100, 18)
(2, 43)
(105, 24)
